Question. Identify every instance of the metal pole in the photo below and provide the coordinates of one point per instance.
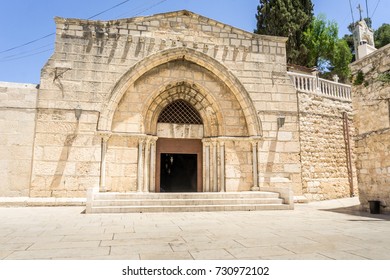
(348, 152)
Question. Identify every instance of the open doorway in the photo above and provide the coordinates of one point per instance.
(179, 165)
(178, 173)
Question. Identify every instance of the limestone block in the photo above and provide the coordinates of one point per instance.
(232, 184)
(232, 171)
(46, 167)
(293, 168)
(166, 130)
(289, 147)
(53, 153)
(129, 155)
(20, 152)
(55, 127)
(84, 154)
(285, 136)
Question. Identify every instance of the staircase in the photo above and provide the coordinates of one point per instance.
(184, 202)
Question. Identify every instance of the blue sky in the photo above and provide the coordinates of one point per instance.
(23, 21)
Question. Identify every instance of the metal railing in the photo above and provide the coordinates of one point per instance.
(313, 84)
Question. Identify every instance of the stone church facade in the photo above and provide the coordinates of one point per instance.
(173, 102)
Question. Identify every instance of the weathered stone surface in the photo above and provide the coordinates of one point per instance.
(323, 156)
(17, 124)
(124, 76)
(372, 120)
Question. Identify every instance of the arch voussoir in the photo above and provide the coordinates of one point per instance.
(196, 57)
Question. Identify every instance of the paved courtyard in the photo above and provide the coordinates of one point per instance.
(320, 230)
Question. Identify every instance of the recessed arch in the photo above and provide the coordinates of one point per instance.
(196, 57)
(207, 107)
(180, 112)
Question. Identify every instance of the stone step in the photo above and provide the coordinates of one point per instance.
(209, 195)
(184, 202)
(187, 202)
(189, 208)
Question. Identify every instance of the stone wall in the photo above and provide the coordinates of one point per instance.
(66, 153)
(323, 147)
(121, 74)
(122, 164)
(372, 119)
(17, 127)
(238, 166)
(110, 69)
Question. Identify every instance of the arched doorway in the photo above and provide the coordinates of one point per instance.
(179, 148)
(132, 114)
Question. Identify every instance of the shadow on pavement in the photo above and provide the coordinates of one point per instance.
(355, 210)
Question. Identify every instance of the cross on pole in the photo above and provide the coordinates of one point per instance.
(360, 11)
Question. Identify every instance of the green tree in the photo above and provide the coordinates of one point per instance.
(382, 36)
(330, 54)
(288, 18)
(320, 39)
(341, 59)
(349, 39)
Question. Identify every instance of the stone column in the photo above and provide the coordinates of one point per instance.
(146, 165)
(103, 151)
(140, 165)
(215, 167)
(254, 167)
(152, 170)
(206, 146)
(222, 167)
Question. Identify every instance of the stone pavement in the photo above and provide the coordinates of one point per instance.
(321, 230)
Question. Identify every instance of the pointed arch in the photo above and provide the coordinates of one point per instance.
(180, 112)
(201, 59)
(207, 107)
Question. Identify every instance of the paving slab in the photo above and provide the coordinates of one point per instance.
(320, 230)
(167, 256)
(258, 252)
(215, 254)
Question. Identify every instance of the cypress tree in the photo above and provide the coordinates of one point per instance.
(287, 18)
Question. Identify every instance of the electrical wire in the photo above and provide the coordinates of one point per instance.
(17, 56)
(350, 5)
(53, 33)
(131, 14)
(28, 43)
(375, 8)
(109, 9)
(151, 7)
(27, 51)
(133, 10)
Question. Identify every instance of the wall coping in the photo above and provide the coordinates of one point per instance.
(18, 85)
(181, 13)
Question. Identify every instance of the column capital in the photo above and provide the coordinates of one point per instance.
(206, 142)
(221, 143)
(144, 138)
(151, 139)
(105, 135)
(254, 143)
(256, 139)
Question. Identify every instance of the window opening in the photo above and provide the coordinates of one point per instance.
(180, 112)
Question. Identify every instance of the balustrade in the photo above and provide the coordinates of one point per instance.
(313, 84)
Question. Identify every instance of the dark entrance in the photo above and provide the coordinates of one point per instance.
(178, 173)
(178, 165)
